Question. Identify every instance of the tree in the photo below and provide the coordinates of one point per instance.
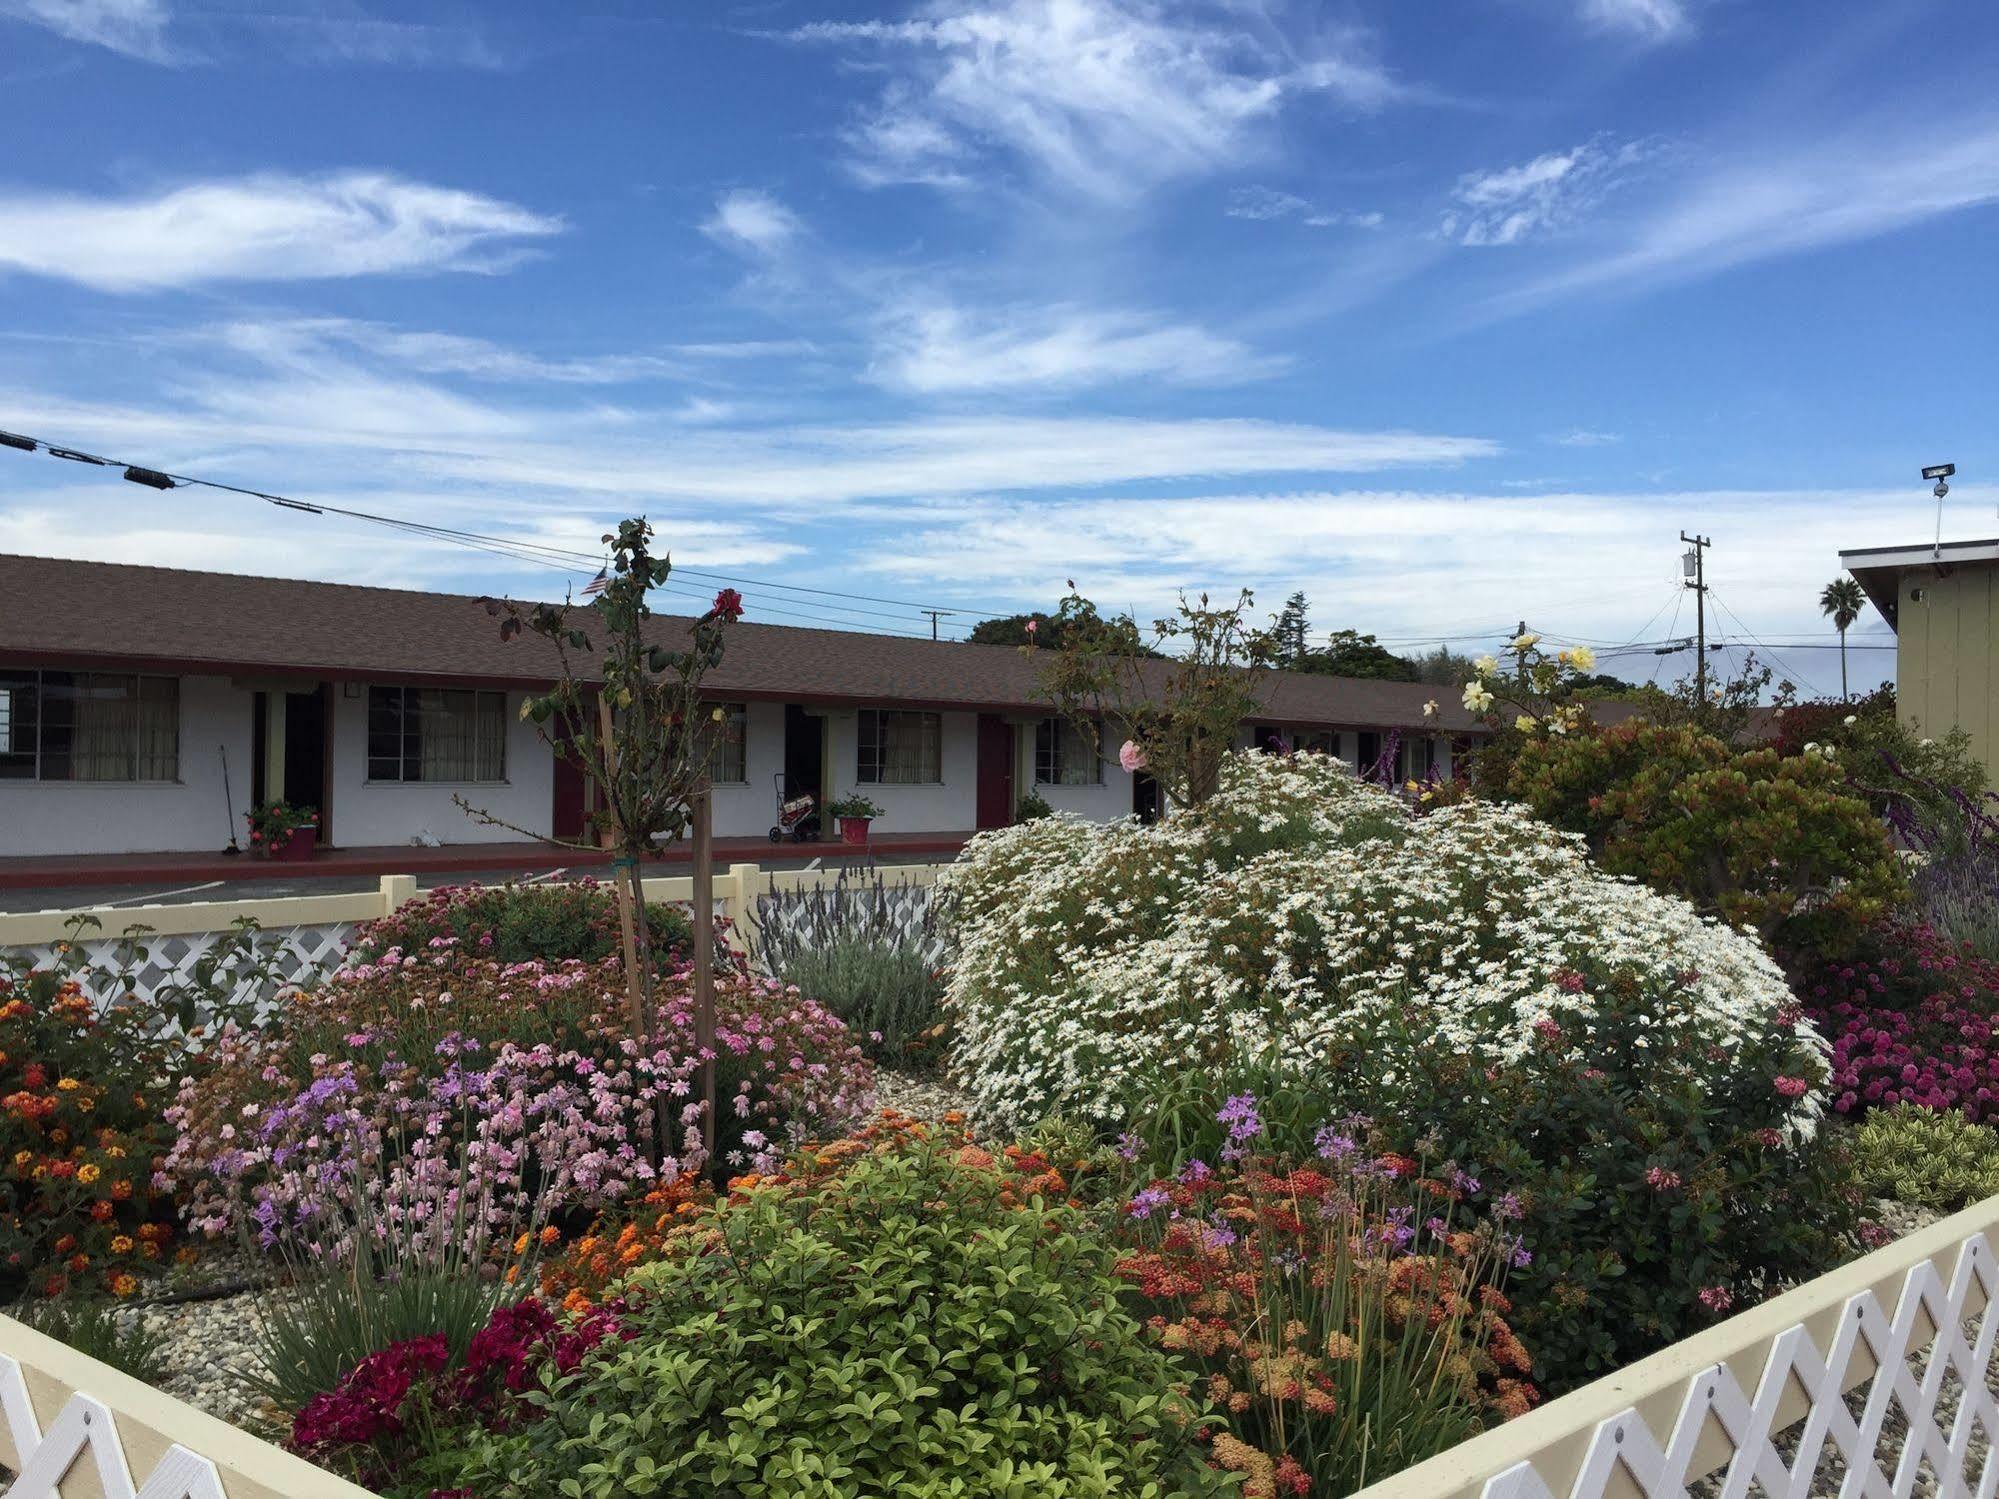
(1292, 628)
(1012, 629)
(1350, 654)
(638, 731)
(1841, 600)
(1178, 716)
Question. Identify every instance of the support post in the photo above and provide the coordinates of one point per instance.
(747, 881)
(398, 890)
(621, 883)
(704, 963)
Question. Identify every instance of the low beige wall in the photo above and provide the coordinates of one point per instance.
(147, 1429)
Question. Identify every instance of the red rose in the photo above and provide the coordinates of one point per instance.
(728, 604)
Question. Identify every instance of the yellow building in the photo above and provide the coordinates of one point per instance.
(1943, 604)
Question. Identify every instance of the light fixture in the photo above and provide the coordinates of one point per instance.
(152, 478)
(21, 444)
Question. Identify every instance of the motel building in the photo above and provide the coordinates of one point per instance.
(128, 694)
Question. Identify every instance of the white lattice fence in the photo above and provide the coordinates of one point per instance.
(69, 1421)
(1871, 1382)
(166, 962)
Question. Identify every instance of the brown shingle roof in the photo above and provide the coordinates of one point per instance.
(54, 611)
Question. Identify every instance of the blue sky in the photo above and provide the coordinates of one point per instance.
(1447, 313)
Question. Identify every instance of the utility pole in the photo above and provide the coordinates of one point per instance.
(934, 613)
(1694, 567)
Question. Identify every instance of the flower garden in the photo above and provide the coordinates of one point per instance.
(1264, 1150)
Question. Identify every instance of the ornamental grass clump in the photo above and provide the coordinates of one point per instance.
(1348, 1314)
(1291, 916)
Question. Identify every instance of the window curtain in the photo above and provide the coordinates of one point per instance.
(911, 748)
(103, 719)
(157, 716)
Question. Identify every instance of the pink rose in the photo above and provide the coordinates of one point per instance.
(1131, 757)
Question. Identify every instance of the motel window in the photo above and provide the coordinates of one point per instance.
(728, 758)
(1065, 756)
(1419, 758)
(88, 726)
(436, 734)
(900, 749)
(1320, 742)
(1369, 751)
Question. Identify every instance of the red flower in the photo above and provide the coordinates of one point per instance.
(728, 604)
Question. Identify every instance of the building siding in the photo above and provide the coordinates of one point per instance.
(1946, 670)
(109, 817)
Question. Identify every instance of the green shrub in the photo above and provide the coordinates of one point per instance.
(514, 923)
(1927, 1158)
(1755, 837)
(900, 1328)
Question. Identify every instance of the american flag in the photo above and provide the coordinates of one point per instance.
(597, 584)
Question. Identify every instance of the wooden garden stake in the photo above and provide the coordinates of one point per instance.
(702, 807)
(635, 997)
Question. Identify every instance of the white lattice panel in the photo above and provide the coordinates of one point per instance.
(171, 960)
(85, 1432)
(1949, 1454)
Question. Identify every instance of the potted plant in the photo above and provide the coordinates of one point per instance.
(281, 831)
(853, 812)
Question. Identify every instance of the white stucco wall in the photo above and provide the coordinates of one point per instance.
(105, 817)
(949, 807)
(1100, 802)
(748, 809)
(367, 813)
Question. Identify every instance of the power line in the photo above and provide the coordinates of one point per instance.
(518, 549)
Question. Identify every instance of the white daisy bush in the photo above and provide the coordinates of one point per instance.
(1301, 913)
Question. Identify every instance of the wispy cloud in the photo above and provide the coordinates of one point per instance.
(1774, 202)
(752, 221)
(136, 28)
(1263, 204)
(1103, 98)
(264, 228)
(940, 348)
(1510, 204)
(1582, 437)
(1647, 20)
(299, 341)
(365, 40)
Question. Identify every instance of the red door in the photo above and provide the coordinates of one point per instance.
(566, 817)
(995, 802)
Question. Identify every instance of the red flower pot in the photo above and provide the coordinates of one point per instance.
(297, 846)
(854, 829)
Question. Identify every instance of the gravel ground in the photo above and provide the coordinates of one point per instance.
(924, 1097)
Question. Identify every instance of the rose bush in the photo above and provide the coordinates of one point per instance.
(1290, 916)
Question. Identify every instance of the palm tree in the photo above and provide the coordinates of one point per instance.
(1842, 600)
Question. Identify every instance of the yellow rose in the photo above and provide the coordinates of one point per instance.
(1524, 723)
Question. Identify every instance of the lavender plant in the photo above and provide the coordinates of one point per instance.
(867, 950)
